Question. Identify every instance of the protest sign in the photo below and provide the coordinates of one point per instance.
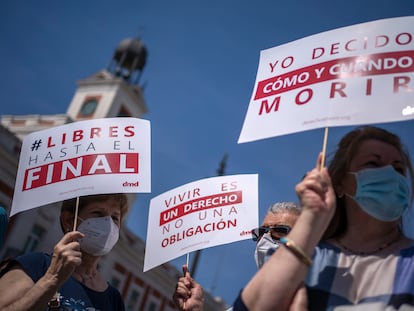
(361, 74)
(82, 158)
(201, 214)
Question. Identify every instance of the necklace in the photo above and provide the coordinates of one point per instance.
(377, 250)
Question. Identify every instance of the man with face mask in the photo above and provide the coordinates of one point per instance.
(277, 223)
(68, 279)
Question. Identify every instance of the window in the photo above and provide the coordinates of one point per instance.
(118, 276)
(33, 239)
(152, 306)
(115, 282)
(132, 300)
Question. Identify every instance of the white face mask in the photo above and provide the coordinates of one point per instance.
(101, 235)
(264, 249)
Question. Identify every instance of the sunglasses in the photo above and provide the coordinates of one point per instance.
(276, 232)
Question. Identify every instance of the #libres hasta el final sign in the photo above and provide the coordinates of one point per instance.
(82, 158)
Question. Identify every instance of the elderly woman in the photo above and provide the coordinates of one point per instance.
(347, 247)
(69, 278)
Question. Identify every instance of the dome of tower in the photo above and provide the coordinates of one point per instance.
(131, 54)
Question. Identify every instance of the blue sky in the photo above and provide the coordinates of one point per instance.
(201, 67)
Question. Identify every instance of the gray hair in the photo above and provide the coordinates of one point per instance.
(290, 207)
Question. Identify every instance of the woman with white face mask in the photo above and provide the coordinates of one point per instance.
(348, 245)
(69, 278)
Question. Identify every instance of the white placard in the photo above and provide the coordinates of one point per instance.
(361, 74)
(87, 157)
(201, 214)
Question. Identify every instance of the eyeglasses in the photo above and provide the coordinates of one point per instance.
(276, 232)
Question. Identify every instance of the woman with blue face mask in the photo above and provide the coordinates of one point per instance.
(348, 246)
(69, 278)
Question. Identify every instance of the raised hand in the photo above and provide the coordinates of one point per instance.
(66, 257)
(188, 293)
(315, 191)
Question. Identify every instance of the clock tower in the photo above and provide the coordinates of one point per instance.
(115, 91)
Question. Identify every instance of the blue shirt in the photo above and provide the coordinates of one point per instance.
(340, 280)
(75, 296)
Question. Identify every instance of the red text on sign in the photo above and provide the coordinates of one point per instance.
(212, 201)
(341, 68)
(92, 133)
(106, 163)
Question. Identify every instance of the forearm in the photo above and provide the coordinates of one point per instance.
(34, 299)
(274, 285)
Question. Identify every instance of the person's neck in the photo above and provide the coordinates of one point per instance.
(366, 235)
(88, 274)
(89, 265)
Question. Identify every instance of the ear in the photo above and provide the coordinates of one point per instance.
(66, 221)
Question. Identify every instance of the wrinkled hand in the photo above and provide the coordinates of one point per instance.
(66, 257)
(315, 191)
(188, 293)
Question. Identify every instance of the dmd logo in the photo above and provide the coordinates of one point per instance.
(130, 184)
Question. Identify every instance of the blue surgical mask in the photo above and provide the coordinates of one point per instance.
(382, 192)
(265, 248)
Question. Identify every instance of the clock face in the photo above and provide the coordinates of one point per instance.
(88, 107)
